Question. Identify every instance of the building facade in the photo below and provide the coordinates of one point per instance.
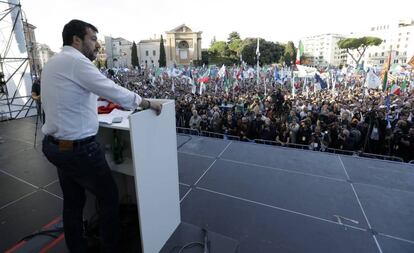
(322, 50)
(38, 53)
(398, 40)
(31, 44)
(183, 46)
(118, 52)
(149, 52)
(44, 53)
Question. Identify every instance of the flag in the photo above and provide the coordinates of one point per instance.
(205, 77)
(384, 72)
(202, 88)
(321, 82)
(387, 103)
(372, 81)
(404, 85)
(276, 76)
(411, 62)
(222, 71)
(395, 89)
(257, 49)
(299, 53)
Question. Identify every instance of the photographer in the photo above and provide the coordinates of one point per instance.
(400, 141)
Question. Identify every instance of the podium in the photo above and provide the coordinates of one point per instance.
(149, 171)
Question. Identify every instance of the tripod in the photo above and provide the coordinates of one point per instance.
(38, 115)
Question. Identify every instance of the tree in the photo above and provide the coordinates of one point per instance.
(213, 40)
(219, 48)
(289, 54)
(204, 57)
(270, 52)
(358, 46)
(162, 61)
(134, 55)
(234, 48)
(233, 36)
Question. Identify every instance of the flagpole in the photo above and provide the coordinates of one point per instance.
(258, 55)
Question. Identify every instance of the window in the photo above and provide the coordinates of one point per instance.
(405, 53)
(396, 61)
(376, 54)
(381, 61)
(403, 60)
(146, 53)
(382, 54)
(153, 52)
(398, 46)
(408, 33)
(397, 53)
(119, 43)
(406, 39)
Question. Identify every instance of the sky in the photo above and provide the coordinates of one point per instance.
(278, 21)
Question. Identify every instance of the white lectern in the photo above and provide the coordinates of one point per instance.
(150, 157)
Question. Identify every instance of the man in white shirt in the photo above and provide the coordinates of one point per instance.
(71, 85)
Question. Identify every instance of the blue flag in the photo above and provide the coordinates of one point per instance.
(276, 75)
(323, 84)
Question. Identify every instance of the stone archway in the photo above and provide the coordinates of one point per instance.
(183, 51)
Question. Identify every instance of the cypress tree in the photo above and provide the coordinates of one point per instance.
(134, 55)
(162, 61)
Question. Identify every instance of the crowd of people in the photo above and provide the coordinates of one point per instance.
(349, 117)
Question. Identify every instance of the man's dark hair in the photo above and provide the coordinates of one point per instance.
(75, 27)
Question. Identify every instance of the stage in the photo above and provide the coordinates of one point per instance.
(249, 197)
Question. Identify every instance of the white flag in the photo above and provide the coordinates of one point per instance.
(257, 49)
(372, 81)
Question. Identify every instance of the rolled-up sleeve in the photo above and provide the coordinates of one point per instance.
(88, 76)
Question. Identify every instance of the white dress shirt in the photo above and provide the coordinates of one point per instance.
(71, 84)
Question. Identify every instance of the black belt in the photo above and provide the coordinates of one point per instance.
(73, 143)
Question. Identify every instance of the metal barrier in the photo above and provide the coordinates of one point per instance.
(382, 157)
(183, 130)
(298, 146)
(267, 142)
(341, 151)
(220, 136)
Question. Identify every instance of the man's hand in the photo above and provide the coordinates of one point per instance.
(156, 106)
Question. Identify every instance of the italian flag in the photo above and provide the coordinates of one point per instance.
(205, 77)
(299, 53)
(384, 73)
(395, 89)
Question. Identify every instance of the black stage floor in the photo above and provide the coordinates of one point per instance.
(252, 197)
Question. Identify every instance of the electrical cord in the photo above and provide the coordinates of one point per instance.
(187, 246)
(44, 232)
(205, 245)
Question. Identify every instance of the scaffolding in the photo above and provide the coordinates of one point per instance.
(15, 74)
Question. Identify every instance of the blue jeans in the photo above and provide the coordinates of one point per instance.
(84, 168)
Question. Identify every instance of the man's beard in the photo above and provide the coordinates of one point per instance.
(90, 54)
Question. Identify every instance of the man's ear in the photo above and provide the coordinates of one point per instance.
(76, 40)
